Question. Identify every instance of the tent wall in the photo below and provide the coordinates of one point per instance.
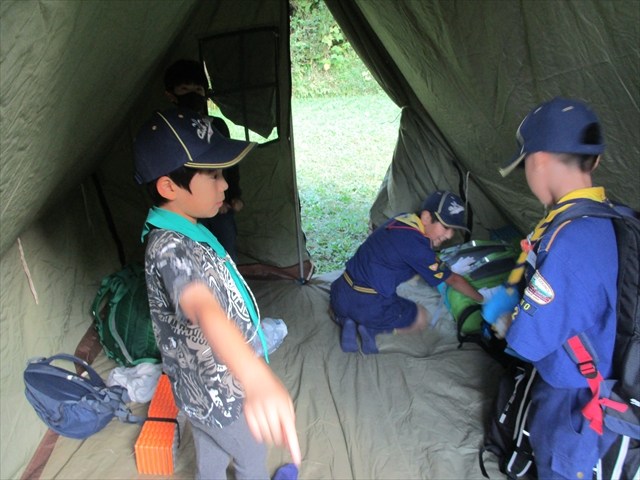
(78, 79)
(69, 71)
(66, 253)
(267, 223)
(477, 68)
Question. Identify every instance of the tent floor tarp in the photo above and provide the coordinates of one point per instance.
(414, 411)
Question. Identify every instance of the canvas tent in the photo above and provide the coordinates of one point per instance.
(78, 78)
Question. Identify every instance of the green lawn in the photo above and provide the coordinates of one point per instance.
(343, 149)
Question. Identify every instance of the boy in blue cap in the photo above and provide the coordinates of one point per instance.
(570, 278)
(203, 314)
(364, 298)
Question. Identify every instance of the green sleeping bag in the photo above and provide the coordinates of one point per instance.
(492, 263)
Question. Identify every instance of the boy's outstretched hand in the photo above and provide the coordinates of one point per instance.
(268, 407)
(269, 411)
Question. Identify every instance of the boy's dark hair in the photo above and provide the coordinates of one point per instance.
(185, 72)
(592, 135)
(586, 163)
(181, 177)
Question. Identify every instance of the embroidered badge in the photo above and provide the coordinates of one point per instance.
(539, 290)
(455, 209)
(433, 267)
(527, 307)
(439, 275)
(203, 129)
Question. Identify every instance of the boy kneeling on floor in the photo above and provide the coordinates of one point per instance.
(364, 299)
(202, 311)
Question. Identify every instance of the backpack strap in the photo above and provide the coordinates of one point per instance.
(94, 377)
(579, 347)
(522, 456)
(592, 411)
(113, 398)
(584, 207)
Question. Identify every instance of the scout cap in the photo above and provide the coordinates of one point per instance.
(559, 126)
(181, 137)
(447, 207)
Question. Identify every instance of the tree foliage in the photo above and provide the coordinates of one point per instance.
(323, 61)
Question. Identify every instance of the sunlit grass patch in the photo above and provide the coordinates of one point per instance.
(343, 148)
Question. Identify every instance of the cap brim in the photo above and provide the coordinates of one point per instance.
(449, 225)
(508, 167)
(224, 154)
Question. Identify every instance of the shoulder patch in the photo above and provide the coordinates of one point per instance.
(539, 290)
(433, 267)
(439, 275)
(526, 307)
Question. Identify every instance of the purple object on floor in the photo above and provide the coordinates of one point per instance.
(288, 472)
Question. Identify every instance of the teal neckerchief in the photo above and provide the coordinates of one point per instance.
(166, 220)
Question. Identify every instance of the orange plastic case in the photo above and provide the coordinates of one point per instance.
(157, 444)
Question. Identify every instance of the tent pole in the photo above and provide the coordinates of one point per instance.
(296, 197)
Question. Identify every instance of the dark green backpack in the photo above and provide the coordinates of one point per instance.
(123, 321)
(493, 261)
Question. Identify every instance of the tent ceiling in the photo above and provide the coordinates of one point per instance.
(70, 72)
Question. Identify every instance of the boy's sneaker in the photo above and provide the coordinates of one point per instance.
(348, 339)
(368, 338)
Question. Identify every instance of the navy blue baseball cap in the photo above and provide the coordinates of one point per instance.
(560, 125)
(447, 207)
(182, 138)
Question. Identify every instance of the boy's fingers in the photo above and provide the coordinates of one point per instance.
(252, 423)
(291, 437)
(268, 422)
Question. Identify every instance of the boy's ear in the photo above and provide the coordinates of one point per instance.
(540, 159)
(172, 98)
(596, 163)
(166, 188)
(425, 217)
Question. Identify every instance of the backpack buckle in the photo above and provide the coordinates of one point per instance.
(588, 369)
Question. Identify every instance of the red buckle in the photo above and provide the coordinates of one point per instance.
(588, 369)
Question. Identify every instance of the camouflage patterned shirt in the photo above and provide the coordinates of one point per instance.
(202, 385)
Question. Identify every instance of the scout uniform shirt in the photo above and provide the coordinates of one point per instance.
(391, 255)
(571, 289)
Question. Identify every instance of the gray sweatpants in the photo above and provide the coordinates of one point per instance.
(214, 446)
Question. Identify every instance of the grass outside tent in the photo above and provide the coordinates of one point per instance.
(343, 147)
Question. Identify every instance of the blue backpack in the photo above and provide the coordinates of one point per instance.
(72, 405)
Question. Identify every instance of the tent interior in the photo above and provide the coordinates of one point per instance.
(79, 78)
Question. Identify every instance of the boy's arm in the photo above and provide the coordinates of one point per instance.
(458, 283)
(267, 406)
